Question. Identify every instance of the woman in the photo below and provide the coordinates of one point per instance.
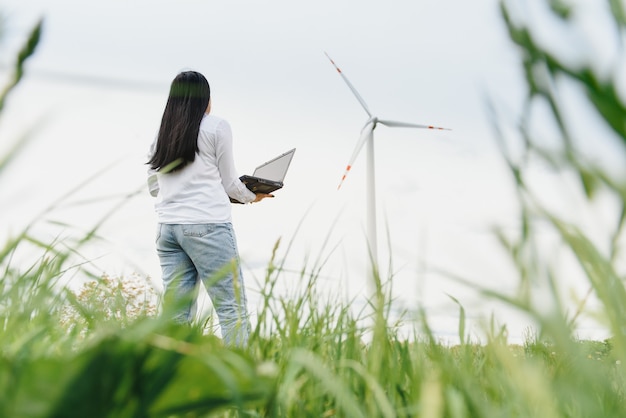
(192, 174)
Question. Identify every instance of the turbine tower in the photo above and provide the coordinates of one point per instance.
(367, 136)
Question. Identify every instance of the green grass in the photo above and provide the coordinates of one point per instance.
(104, 351)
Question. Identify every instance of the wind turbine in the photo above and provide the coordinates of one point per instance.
(367, 136)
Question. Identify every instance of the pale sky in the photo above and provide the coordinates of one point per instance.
(97, 85)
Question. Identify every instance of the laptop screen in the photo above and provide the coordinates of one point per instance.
(275, 169)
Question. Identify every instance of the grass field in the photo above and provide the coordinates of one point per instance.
(104, 350)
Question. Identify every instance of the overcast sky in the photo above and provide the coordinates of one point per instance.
(97, 85)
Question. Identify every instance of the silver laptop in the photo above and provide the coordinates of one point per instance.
(269, 176)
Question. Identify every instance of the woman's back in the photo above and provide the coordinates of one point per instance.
(199, 192)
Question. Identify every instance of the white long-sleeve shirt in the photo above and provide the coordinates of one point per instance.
(199, 193)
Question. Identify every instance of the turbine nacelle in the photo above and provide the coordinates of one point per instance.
(371, 121)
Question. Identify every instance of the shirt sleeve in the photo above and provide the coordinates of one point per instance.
(153, 180)
(226, 165)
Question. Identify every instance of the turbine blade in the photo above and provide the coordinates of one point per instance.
(359, 146)
(356, 93)
(395, 124)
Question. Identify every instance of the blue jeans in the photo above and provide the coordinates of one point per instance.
(208, 253)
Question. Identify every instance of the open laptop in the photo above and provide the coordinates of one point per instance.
(269, 176)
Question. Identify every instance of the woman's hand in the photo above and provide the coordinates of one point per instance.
(261, 196)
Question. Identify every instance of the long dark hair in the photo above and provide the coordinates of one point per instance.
(177, 142)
